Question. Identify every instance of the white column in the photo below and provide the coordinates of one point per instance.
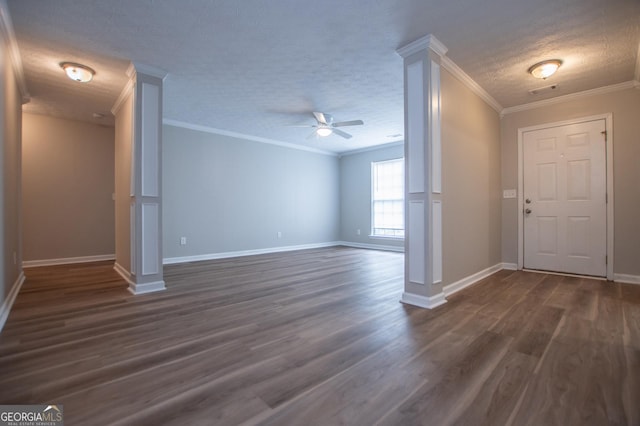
(145, 273)
(423, 176)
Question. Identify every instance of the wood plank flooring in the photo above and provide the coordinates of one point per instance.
(317, 337)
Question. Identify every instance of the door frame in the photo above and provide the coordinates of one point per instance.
(608, 118)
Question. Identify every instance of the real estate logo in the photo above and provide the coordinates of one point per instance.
(31, 415)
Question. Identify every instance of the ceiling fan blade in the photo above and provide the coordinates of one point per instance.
(341, 133)
(348, 123)
(320, 117)
(301, 125)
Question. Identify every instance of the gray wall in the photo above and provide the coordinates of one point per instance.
(471, 204)
(10, 165)
(123, 141)
(68, 182)
(227, 194)
(625, 107)
(355, 195)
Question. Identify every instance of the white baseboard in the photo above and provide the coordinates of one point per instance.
(455, 287)
(228, 254)
(123, 273)
(11, 298)
(143, 288)
(420, 301)
(371, 246)
(67, 260)
(626, 278)
(509, 266)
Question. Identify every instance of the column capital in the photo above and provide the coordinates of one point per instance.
(428, 42)
(139, 68)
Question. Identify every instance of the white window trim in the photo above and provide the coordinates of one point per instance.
(371, 234)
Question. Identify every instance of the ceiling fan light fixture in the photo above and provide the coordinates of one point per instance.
(545, 69)
(324, 131)
(78, 72)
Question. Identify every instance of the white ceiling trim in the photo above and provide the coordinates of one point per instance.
(371, 148)
(6, 30)
(207, 129)
(126, 91)
(457, 72)
(572, 96)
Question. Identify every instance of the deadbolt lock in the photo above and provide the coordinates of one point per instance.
(528, 201)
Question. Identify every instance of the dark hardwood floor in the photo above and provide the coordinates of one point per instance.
(317, 337)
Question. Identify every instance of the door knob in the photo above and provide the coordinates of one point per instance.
(527, 211)
(528, 201)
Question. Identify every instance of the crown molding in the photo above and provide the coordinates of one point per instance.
(572, 96)
(123, 96)
(372, 148)
(427, 42)
(457, 72)
(6, 30)
(207, 129)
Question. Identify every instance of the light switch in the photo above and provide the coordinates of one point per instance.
(509, 193)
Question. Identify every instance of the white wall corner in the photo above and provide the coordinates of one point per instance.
(7, 32)
(143, 288)
(427, 42)
(428, 302)
(10, 299)
(627, 279)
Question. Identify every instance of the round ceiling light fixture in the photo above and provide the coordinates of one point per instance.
(545, 69)
(324, 131)
(78, 72)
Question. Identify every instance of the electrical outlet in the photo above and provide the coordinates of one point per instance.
(357, 232)
(183, 241)
(279, 234)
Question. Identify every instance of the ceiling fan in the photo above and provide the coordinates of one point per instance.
(325, 126)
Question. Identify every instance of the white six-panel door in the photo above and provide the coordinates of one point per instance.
(565, 212)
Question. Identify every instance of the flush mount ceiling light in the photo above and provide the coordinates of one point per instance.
(324, 131)
(78, 72)
(545, 69)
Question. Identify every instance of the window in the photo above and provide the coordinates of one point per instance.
(387, 198)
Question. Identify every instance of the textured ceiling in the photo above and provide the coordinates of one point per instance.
(254, 67)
